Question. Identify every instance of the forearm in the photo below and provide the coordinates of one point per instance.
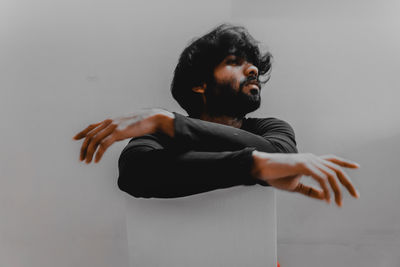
(159, 173)
(195, 134)
(199, 135)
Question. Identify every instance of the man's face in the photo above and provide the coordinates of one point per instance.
(235, 90)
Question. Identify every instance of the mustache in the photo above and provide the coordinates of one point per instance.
(250, 80)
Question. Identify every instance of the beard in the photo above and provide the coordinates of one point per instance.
(224, 100)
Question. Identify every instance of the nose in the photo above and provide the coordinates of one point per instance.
(251, 70)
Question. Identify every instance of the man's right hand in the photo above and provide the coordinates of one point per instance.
(99, 136)
(284, 171)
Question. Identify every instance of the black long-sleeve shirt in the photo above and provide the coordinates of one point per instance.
(202, 156)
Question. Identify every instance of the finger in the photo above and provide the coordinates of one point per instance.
(332, 178)
(103, 147)
(310, 191)
(343, 177)
(341, 161)
(314, 172)
(83, 133)
(89, 136)
(97, 139)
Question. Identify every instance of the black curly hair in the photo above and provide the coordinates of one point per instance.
(198, 60)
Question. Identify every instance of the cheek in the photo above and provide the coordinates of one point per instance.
(229, 77)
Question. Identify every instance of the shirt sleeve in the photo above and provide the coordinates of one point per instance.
(202, 156)
(269, 135)
(146, 170)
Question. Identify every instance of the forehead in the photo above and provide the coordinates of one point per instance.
(240, 52)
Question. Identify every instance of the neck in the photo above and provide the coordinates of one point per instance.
(230, 121)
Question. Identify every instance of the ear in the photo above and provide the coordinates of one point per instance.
(200, 89)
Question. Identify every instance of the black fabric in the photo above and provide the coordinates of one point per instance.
(202, 156)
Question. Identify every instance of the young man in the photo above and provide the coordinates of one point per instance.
(217, 81)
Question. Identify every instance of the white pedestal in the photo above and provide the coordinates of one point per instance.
(233, 227)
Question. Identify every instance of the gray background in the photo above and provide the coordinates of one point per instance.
(65, 64)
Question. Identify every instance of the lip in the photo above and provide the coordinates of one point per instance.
(252, 85)
(252, 88)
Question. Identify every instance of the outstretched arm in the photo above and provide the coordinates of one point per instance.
(147, 169)
(187, 133)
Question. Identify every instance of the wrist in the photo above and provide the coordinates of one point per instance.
(260, 160)
(165, 123)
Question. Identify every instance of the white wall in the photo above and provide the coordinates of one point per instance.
(65, 64)
(335, 79)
